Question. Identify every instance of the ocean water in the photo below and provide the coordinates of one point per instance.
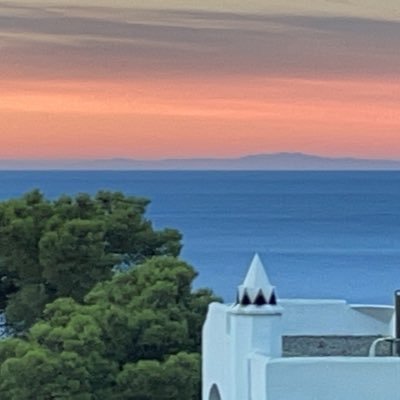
(320, 234)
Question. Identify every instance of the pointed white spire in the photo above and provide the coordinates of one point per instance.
(256, 287)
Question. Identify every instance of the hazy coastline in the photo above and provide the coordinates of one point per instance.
(268, 162)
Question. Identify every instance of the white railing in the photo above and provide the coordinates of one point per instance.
(393, 341)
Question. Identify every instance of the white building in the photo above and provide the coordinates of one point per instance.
(244, 356)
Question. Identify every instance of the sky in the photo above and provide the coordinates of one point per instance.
(158, 79)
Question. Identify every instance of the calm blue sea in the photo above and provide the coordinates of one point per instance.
(320, 234)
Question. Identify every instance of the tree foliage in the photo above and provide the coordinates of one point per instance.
(62, 248)
(133, 337)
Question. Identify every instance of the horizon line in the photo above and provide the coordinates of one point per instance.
(205, 157)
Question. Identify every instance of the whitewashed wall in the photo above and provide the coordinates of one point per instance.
(258, 377)
(341, 378)
(230, 341)
(216, 352)
(335, 317)
(230, 335)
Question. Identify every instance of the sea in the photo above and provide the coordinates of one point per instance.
(332, 235)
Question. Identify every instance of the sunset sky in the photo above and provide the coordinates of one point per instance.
(158, 78)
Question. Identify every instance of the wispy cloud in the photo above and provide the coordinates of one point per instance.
(95, 42)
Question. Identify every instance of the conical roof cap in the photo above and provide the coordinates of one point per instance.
(256, 285)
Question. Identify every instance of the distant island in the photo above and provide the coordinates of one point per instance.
(272, 162)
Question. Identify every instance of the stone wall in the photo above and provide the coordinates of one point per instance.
(331, 346)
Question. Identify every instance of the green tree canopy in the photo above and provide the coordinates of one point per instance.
(134, 337)
(63, 247)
